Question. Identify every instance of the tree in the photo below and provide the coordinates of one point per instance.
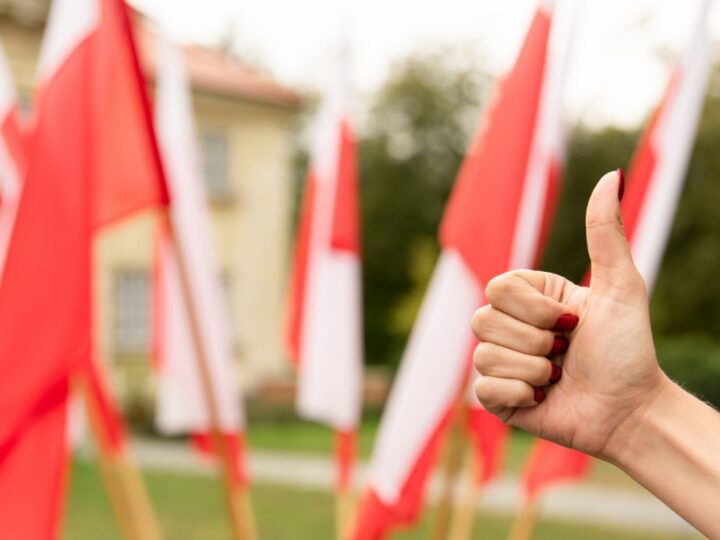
(410, 149)
(686, 300)
(416, 134)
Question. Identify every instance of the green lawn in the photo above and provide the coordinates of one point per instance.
(189, 508)
(310, 438)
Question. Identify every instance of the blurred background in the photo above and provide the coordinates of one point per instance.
(421, 73)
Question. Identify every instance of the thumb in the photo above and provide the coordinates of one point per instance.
(611, 263)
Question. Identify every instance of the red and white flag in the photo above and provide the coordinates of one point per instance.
(654, 184)
(487, 434)
(92, 159)
(658, 168)
(13, 156)
(323, 330)
(492, 223)
(181, 401)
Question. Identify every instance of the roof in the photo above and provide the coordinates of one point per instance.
(212, 71)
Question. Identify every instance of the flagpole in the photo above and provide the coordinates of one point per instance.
(451, 468)
(524, 525)
(239, 505)
(344, 508)
(128, 498)
(345, 444)
(464, 516)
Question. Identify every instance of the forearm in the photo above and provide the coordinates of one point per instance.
(674, 451)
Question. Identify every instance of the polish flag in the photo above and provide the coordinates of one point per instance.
(492, 223)
(486, 432)
(13, 156)
(488, 436)
(654, 184)
(324, 315)
(92, 159)
(181, 402)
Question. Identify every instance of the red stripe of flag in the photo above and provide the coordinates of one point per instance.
(45, 301)
(657, 170)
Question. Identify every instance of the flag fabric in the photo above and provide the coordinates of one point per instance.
(13, 156)
(654, 184)
(657, 171)
(487, 434)
(549, 464)
(33, 472)
(323, 331)
(181, 401)
(88, 79)
(491, 224)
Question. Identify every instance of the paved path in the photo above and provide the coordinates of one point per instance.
(634, 509)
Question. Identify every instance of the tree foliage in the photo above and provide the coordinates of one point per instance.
(409, 152)
(685, 302)
(416, 135)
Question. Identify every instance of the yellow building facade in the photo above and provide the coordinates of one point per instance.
(244, 125)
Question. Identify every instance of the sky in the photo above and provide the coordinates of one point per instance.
(621, 56)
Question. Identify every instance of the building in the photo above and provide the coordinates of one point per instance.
(244, 122)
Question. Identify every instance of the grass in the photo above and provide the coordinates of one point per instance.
(310, 438)
(189, 508)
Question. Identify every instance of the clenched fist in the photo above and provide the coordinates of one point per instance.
(572, 364)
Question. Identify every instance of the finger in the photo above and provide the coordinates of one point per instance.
(494, 326)
(494, 361)
(612, 266)
(527, 295)
(496, 394)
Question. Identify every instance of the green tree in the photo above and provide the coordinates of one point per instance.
(590, 154)
(416, 134)
(410, 149)
(685, 304)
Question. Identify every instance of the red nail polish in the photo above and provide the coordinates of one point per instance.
(560, 345)
(566, 322)
(621, 184)
(539, 395)
(555, 374)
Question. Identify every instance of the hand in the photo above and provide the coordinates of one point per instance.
(609, 374)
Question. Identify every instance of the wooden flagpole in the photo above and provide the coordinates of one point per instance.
(464, 516)
(524, 524)
(128, 498)
(451, 468)
(344, 511)
(239, 505)
(345, 448)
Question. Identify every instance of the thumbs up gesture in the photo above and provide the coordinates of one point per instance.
(572, 364)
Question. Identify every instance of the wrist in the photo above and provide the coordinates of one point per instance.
(631, 438)
(670, 448)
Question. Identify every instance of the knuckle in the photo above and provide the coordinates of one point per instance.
(484, 357)
(516, 396)
(486, 392)
(498, 287)
(480, 321)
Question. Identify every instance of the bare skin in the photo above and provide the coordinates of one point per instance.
(613, 400)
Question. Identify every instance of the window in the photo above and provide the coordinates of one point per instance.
(215, 165)
(131, 312)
